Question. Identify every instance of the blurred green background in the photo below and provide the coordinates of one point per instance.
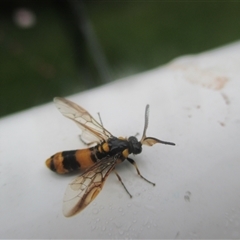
(56, 48)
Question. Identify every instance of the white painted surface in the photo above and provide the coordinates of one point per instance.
(194, 102)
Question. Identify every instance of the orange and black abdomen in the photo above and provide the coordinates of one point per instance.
(68, 161)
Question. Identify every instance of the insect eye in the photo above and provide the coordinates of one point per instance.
(135, 147)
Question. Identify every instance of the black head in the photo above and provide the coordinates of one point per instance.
(135, 146)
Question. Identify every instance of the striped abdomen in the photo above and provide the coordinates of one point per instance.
(68, 161)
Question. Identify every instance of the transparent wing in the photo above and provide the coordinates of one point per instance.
(92, 131)
(86, 187)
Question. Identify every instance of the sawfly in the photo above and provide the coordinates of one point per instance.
(97, 161)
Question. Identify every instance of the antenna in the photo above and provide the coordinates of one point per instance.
(149, 141)
(145, 123)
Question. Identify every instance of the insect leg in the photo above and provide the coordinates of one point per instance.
(99, 116)
(101, 121)
(119, 178)
(135, 165)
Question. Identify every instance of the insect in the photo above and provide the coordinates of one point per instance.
(97, 161)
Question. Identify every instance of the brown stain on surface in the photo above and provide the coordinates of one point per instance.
(207, 78)
(221, 123)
